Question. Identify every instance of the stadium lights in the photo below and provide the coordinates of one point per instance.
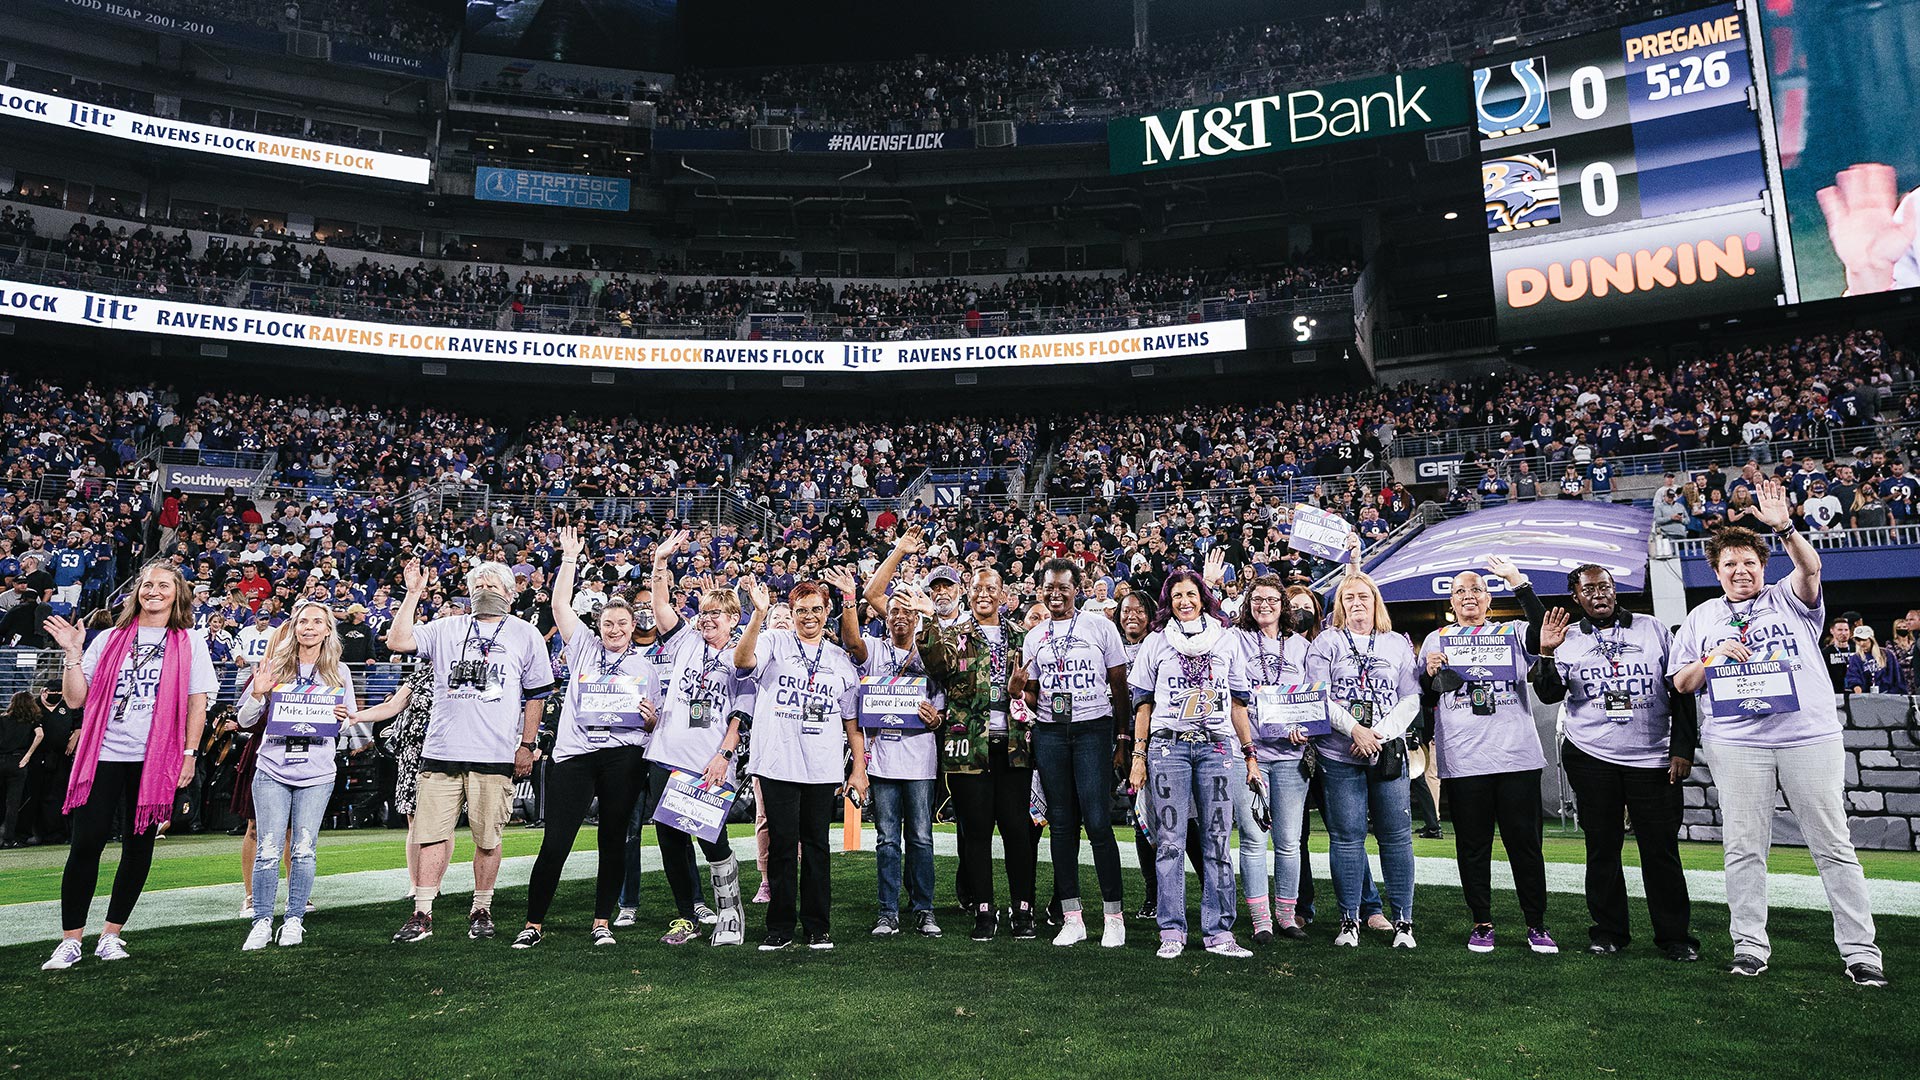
(1452, 215)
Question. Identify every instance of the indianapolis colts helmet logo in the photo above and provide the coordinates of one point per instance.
(1510, 115)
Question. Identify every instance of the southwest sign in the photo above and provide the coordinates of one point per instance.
(1343, 112)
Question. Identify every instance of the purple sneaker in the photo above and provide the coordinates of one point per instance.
(1481, 940)
(1539, 942)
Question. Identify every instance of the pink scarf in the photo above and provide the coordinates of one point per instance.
(166, 739)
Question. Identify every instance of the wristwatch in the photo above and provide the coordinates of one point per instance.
(728, 754)
(528, 747)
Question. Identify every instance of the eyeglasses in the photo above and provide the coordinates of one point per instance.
(1598, 588)
(1265, 601)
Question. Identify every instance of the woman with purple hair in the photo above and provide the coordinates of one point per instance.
(1190, 694)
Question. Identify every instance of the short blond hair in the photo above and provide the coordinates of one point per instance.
(1381, 620)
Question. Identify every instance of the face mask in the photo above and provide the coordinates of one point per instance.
(1300, 620)
(643, 619)
(1192, 626)
(490, 605)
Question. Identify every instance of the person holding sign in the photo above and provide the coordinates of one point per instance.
(900, 714)
(301, 692)
(1286, 711)
(142, 688)
(598, 747)
(490, 674)
(1629, 741)
(698, 737)
(1190, 692)
(1374, 700)
(986, 750)
(1486, 747)
(1074, 678)
(1752, 659)
(804, 718)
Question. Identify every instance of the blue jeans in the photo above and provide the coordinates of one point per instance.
(1188, 781)
(1354, 799)
(911, 801)
(1075, 762)
(276, 808)
(1287, 796)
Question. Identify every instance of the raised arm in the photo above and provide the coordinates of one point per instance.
(665, 616)
(911, 541)
(72, 641)
(750, 637)
(565, 619)
(400, 631)
(1530, 604)
(1774, 510)
(848, 583)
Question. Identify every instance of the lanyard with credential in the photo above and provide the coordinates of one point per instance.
(1061, 647)
(140, 660)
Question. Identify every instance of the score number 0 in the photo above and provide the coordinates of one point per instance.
(1587, 94)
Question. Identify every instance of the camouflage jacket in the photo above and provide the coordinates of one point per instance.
(960, 660)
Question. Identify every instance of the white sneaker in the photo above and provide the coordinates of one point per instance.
(705, 915)
(1072, 932)
(1230, 947)
(625, 918)
(1403, 935)
(293, 932)
(1115, 934)
(65, 955)
(111, 947)
(258, 935)
(1171, 949)
(1349, 935)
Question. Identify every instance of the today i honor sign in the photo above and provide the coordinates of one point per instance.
(1361, 109)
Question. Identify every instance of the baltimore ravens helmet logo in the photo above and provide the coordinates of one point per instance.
(1521, 107)
(1756, 705)
(1522, 191)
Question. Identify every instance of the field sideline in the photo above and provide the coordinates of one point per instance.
(190, 1004)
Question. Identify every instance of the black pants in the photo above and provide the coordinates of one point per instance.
(1316, 800)
(981, 801)
(1605, 793)
(616, 775)
(1423, 801)
(1512, 801)
(49, 793)
(109, 808)
(13, 781)
(798, 817)
(676, 849)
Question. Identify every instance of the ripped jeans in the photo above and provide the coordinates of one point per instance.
(276, 809)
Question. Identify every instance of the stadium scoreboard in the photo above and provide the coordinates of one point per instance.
(1626, 176)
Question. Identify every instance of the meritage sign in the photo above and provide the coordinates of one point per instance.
(1343, 112)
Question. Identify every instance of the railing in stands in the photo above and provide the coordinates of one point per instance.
(1890, 536)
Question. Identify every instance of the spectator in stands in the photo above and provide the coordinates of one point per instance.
(1872, 669)
(22, 730)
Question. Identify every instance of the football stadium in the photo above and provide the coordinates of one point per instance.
(731, 539)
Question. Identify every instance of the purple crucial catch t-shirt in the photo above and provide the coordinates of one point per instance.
(1375, 670)
(803, 696)
(1504, 741)
(1774, 623)
(471, 725)
(597, 677)
(282, 758)
(1627, 664)
(139, 688)
(700, 692)
(1271, 662)
(1190, 693)
(1072, 656)
(897, 754)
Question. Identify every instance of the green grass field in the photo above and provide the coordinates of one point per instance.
(349, 1003)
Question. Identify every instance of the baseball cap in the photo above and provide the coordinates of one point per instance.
(942, 573)
(1863, 633)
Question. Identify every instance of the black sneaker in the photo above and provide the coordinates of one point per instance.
(1023, 925)
(985, 924)
(1603, 948)
(1432, 834)
(1746, 964)
(818, 939)
(1262, 937)
(1864, 974)
(1149, 911)
(419, 927)
(1683, 953)
(924, 925)
(887, 925)
(527, 938)
(1290, 931)
(601, 935)
(480, 924)
(1054, 913)
(775, 941)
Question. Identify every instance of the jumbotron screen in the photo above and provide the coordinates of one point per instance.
(1626, 177)
(632, 35)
